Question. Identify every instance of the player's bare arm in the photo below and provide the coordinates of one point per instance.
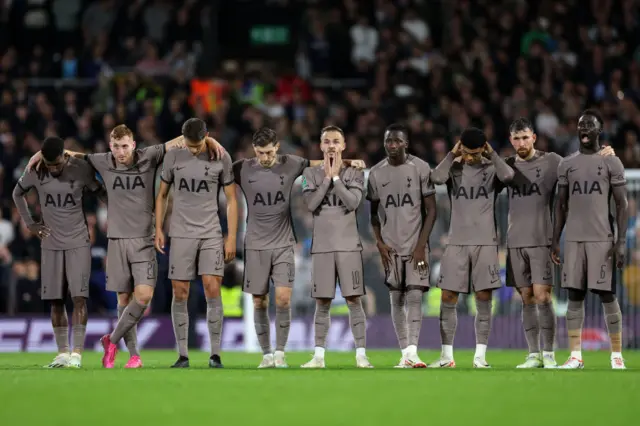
(440, 175)
(161, 209)
(384, 249)
(622, 218)
(312, 194)
(429, 213)
(504, 172)
(232, 222)
(39, 229)
(560, 218)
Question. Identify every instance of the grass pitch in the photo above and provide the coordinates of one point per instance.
(339, 395)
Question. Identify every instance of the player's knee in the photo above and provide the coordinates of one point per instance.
(325, 302)
(283, 300)
(542, 295)
(211, 286)
(144, 294)
(180, 290)
(260, 302)
(527, 295)
(124, 299)
(352, 300)
(79, 302)
(484, 295)
(57, 306)
(449, 297)
(605, 296)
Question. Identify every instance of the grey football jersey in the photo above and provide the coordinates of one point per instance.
(589, 179)
(400, 191)
(131, 191)
(61, 201)
(196, 184)
(268, 195)
(473, 191)
(531, 199)
(334, 227)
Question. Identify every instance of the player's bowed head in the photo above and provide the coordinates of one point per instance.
(53, 155)
(265, 145)
(194, 132)
(472, 146)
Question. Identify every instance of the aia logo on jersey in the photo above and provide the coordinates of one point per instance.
(525, 190)
(128, 183)
(269, 198)
(398, 201)
(586, 188)
(59, 200)
(193, 185)
(332, 200)
(472, 193)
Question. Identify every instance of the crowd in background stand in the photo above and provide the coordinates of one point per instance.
(77, 68)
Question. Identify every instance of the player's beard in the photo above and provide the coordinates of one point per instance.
(525, 153)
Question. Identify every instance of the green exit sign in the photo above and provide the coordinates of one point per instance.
(269, 34)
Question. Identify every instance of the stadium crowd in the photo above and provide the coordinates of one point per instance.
(77, 68)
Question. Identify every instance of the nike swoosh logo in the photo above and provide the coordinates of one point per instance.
(571, 170)
(183, 324)
(180, 168)
(385, 184)
(252, 181)
(494, 281)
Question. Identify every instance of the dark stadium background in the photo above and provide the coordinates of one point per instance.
(77, 68)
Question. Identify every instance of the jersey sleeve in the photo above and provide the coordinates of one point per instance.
(372, 188)
(426, 185)
(227, 177)
(27, 180)
(167, 167)
(88, 176)
(563, 178)
(555, 160)
(308, 185)
(299, 164)
(99, 162)
(616, 171)
(356, 180)
(154, 153)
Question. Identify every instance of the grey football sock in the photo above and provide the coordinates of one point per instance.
(79, 333)
(321, 323)
(62, 338)
(358, 322)
(448, 323)
(531, 327)
(128, 320)
(414, 315)
(575, 321)
(483, 321)
(180, 320)
(399, 317)
(215, 316)
(613, 316)
(547, 321)
(261, 322)
(131, 336)
(283, 324)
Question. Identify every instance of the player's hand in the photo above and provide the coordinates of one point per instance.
(488, 150)
(607, 151)
(34, 162)
(159, 241)
(619, 250)
(385, 254)
(327, 167)
(337, 165)
(555, 253)
(216, 151)
(358, 164)
(457, 149)
(419, 259)
(229, 250)
(40, 230)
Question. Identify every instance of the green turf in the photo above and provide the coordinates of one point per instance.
(339, 395)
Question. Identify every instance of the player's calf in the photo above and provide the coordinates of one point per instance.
(358, 323)
(482, 327)
(60, 323)
(283, 323)
(321, 324)
(547, 322)
(180, 320)
(79, 323)
(215, 316)
(448, 326)
(613, 319)
(575, 321)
